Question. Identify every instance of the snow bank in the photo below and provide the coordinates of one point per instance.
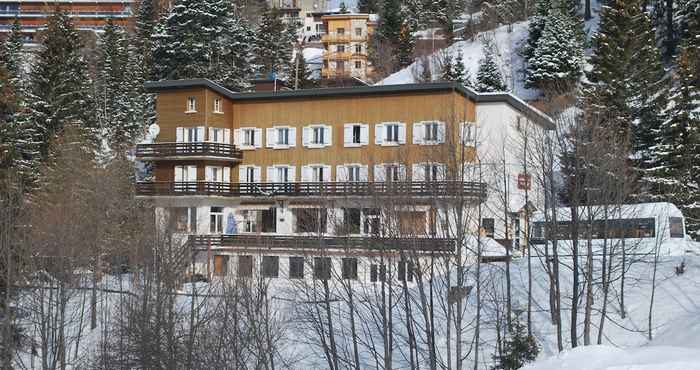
(611, 358)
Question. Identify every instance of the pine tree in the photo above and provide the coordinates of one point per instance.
(518, 350)
(626, 85)
(461, 73)
(301, 76)
(12, 53)
(117, 98)
(488, 77)
(558, 58)
(678, 153)
(367, 6)
(59, 90)
(274, 47)
(536, 26)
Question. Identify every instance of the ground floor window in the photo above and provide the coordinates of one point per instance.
(676, 227)
(322, 268)
(377, 272)
(311, 220)
(216, 220)
(296, 267)
(405, 271)
(270, 266)
(245, 266)
(350, 268)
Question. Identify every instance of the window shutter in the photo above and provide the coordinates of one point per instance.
(347, 134)
(178, 173)
(379, 173)
(364, 134)
(402, 172)
(242, 170)
(418, 133)
(211, 134)
(192, 173)
(442, 172)
(402, 133)
(200, 134)
(364, 173)
(292, 173)
(441, 132)
(227, 136)
(292, 136)
(270, 139)
(327, 173)
(258, 137)
(256, 174)
(237, 137)
(179, 134)
(271, 174)
(208, 174)
(306, 136)
(418, 172)
(227, 174)
(341, 173)
(306, 174)
(378, 134)
(328, 135)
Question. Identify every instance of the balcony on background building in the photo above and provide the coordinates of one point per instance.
(191, 151)
(335, 38)
(407, 189)
(305, 242)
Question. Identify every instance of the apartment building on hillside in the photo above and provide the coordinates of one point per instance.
(295, 184)
(345, 41)
(86, 14)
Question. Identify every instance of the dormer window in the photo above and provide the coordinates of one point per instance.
(191, 104)
(217, 106)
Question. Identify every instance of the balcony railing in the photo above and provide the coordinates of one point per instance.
(420, 244)
(334, 37)
(315, 189)
(196, 149)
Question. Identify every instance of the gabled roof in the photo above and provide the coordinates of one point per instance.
(516, 103)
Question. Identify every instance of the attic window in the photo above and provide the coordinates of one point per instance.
(191, 104)
(217, 106)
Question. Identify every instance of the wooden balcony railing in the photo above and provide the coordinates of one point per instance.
(421, 244)
(194, 149)
(315, 189)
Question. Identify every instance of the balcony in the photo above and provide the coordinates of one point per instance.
(304, 242)
(190, 151)
(335, 38)
(337, 55)
(409, 189)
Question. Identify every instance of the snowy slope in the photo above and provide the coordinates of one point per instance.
(611, 358)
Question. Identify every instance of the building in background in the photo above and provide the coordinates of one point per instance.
(345, 40)
(296, 184)
(86, 15)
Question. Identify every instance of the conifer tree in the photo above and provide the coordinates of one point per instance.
(12, 53)
(367, 6)
(461, 73)
(557, 60)
(518, 349)
(301, 77)
(488, 77)
(677, 166)
(59, 90)
(274, 47)
(536, 26)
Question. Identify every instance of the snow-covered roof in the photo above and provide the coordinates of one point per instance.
(640, 210)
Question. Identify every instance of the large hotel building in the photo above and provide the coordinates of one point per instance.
(296, 184)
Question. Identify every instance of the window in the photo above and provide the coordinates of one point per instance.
(249, 174)
(676, 227)
(282, 136)
(432, 172)
(431, 131)
(370, 225)
(322, 268)
(296, 267)
(391, 133)
(412, 223)
(217, 174)
(405, 271)
(270, 266)
(351, 220)
(185, 219)
(245, 266)
(340, 31)
(318, 135)
(340, 48)
(217, 106)
(350, 268)
(488, 225)
(216, 220)
(377, 272)
(355, 134)
(467, 133)
(392, 173)
(268, 220)
(220, 265)
(185, 174)
(282, 174)
(318, 173)
(189, 134)
(219, 135)
(358, 31)
(249, 137)
(311, 220)
(191, 104)
(358, 48)
(358, 64)
(354, 173)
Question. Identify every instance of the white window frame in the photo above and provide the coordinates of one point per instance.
(190, 134)
(272, 137)
(191, 106)
(308, 136)
(349, 136)
(244, 171)
(240, 135)
(218, 106)
(218, 226)
(272, 175)
(309, 172)
(381, 133)
(223, 135)
(419, 171)
(352, 172)
(424, 131)
(217, 174)
(470, 129)
(380, 171)
(188, 171)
